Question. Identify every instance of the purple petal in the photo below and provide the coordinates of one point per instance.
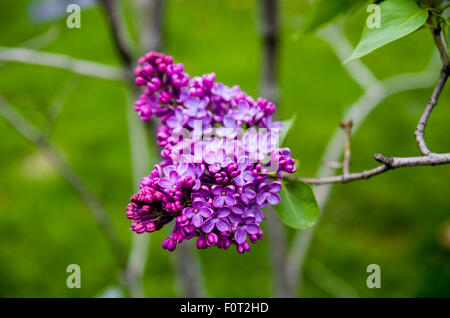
(191, 102)
(222, 225)
(198, 203)
(167, 169)
(197, 185)
(240, 235)
(223, 212)
(173, 176)
(247, 196)
(250, 193)
(214, 168)
(172, 122)
(209, 158)
(208, 225)
(261, 198)
(217, 190)
(218, 201)
(248, 176)
(188, 212)
(164, 183)
(273, 198)
(228, 121)
(197, 220)
(252, 228)
(182, 168)
(205, 212)
(275, 187)
(234, 218)
(230, 200)
(251, 212)
(191, 170)
(238, 209)
(229, 189)
(239, 180)
(179, 114)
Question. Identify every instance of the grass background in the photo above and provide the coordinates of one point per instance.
(397, 220)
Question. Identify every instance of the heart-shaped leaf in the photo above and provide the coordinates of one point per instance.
(298, 206)
(398, 19)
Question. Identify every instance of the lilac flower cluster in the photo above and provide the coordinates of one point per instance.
(214, 188)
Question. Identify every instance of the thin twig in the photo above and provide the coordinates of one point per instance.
(270, 36)
(61, 61)
(343, 178)
(119, 39)
(420, 130)
(151, 37)
(347, 127)
(388, 163)
(439, 41)
(432, 159)
(428, 159)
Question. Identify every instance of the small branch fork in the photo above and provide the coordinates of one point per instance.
(428, 158)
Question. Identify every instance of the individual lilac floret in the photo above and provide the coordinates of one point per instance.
(218, 221)
(197, 212)
(248, 193)
(247, 226)
(268, 194)
(223, 196)
(196, 107)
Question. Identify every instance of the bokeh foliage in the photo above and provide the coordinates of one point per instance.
(396, 220)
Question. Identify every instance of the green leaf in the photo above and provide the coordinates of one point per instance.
(298, 207)
(323, 11)
(287, 125)
(398, 19)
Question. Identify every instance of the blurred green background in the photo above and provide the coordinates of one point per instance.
(397, 220)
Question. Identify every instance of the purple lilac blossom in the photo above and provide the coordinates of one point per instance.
(217, 197)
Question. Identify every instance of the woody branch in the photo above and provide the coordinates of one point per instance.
(427, 158)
